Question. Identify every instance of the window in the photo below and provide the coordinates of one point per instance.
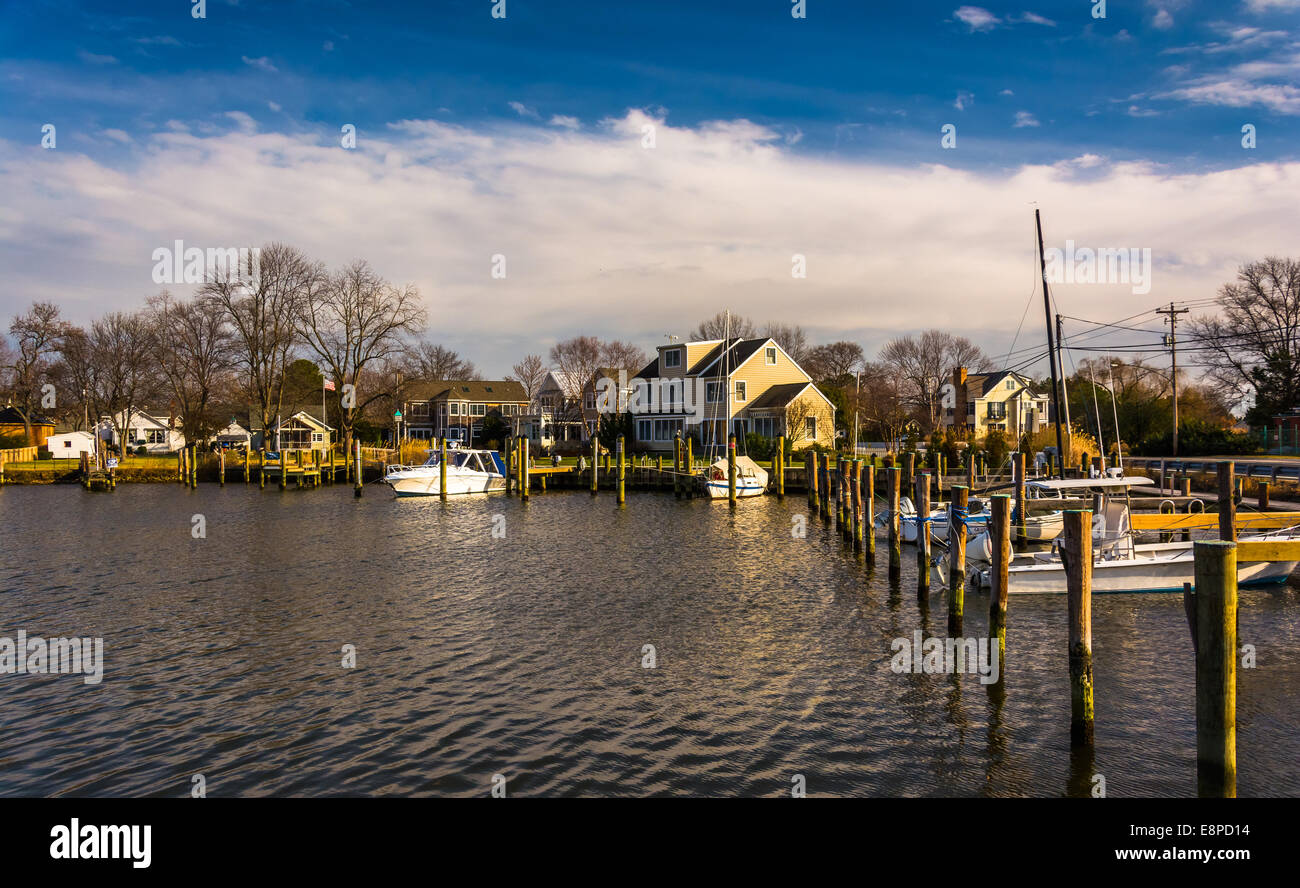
(667, 429)
(418, 408)
(740, 390)
(1011, 385)
(644, 430)
(673, 357)
(712, 392)
(155, 436)
(740, 427)
(810, 427)
(765, 426)
(478, 409)
(455, 409)
(317, 438)
(769, 355)
(67, 445)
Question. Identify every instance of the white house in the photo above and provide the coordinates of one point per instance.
(156, 433)
(70, 445)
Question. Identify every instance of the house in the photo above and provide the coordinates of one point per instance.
(234, 435)
(70, 445)
(304, 430)
(1003, 401)
(554, 416)
(689, 384)
(456, 409)
(12, 426)
(155, 432)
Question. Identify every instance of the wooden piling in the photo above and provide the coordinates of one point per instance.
(284, 470)
(895, 538)
(1000, 538)
(869, 511)
(824, 482)
(261, 468)
(855, 505)
(525, 463)
(1227, 504)
(1077, 555)
(780, 466)
(356, 491)
(1021, 511)
(621, 494)
(690, 468)
(1262, 488)
(957, 558)
(909, 470)
(1216, 669)
(731, 470)
(923, 533)
(221, 467)
(970, 470)
(810, 475)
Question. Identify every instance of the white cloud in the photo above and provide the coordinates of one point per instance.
(565, 121)
(1163, 20)
(91, 58)
(261, 63)
(1024, 118)
(523, 110)
(1006, 92)
(1034, 18)
(274, 106)
(1266, 5)
(964, 100)
(977, 18)
(1137, 111)
(707, 219)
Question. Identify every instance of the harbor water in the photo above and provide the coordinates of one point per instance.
(671, 647)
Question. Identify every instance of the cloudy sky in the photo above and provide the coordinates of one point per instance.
(642, 165)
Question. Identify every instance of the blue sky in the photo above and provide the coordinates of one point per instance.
(1153, 92)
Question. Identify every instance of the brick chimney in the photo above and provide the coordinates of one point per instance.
(959, 404)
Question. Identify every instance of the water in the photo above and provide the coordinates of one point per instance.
(522, 656)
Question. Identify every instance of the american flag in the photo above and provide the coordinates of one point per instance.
(329, 385)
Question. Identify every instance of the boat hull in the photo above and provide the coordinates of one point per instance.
(719, 489)
(457, 484)
(1139, 575)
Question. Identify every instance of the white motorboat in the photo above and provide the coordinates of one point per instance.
(751, 478)
(1120, 565)
(468, 471)
(1049, 526)
(977, 517)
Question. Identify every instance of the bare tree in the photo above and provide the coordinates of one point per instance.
(717, 326)
(122, 351)
(530, 373)
(925, 362)
(882, 402)
(194, 357)
(38, 335)
(622, 356)
(834, 361)
(791, 338)
(355, 320)
(263, 304)
(1253, 348)
(436, 362)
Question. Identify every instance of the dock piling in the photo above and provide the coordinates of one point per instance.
(895, 538)
(1216, 669)
(1000, 537)
(1077, 555)
(923, 534)
(957, 558)
(356, 491)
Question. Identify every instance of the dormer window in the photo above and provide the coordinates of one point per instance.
(673, 357)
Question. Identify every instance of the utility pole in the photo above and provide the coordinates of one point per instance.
(1171, 339)
(1051, 351)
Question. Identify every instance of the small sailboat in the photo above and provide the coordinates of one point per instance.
(751, 478)
(468, 471)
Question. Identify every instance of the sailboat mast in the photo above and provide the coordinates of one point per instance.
(1051, 350)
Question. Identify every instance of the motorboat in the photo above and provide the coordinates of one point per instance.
(468, 471)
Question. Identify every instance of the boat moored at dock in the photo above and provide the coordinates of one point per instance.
(468, 471)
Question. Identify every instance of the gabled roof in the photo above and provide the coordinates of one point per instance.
(989, 381)
(488, 390)
(740, 351)
(649, 371)
(778, 395)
